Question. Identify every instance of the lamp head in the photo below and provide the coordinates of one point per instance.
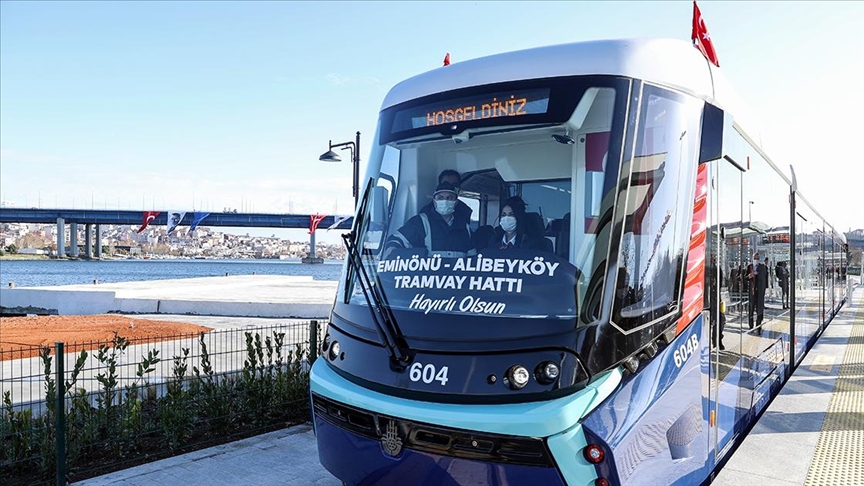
(330, 156)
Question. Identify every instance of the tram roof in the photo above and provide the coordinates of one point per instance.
(673, 63)
(669, 62)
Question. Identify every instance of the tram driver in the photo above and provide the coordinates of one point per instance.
(438, 227)
(453, 177)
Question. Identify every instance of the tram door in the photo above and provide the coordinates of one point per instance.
(727, 299)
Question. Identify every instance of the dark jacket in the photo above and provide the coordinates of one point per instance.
(455, 237)
(521, 241)
(714, 280)
(782, 275)
(462, 210)
(760, 280)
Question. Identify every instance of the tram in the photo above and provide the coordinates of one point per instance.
(628, 348)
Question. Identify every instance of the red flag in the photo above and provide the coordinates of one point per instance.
(314, 221)
(149, 216)
(700, 37)
(447, 59)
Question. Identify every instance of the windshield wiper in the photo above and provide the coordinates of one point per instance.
(382, 315)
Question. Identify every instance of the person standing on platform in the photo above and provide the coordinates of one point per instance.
(714, 282)
(783, 281)
(758, 285)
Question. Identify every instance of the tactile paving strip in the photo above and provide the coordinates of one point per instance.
(839, 455)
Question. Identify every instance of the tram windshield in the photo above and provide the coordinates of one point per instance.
(598, 231)
(553, 146)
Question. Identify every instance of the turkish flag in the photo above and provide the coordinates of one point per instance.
(447, 59)
(700, 36)
(314, 221)
(149, 216)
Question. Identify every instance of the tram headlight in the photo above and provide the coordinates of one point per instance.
(518, 376)
(593, 454)
(547, 372)
(334, 350)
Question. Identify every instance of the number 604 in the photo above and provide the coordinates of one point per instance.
(427, 373)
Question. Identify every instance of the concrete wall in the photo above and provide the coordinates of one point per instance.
(69, 302)
(78, 302)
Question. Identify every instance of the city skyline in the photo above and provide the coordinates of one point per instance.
(207, 106)
(209, 242)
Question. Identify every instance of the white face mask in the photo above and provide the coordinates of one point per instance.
(508, 223)
(445, 207)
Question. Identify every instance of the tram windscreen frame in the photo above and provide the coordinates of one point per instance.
(407, 190)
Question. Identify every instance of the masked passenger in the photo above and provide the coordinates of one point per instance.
(513, 230)
(438, 227)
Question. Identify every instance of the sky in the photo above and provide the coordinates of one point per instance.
(212, 105)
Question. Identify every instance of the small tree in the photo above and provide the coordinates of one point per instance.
(12, 249)
(31, 240)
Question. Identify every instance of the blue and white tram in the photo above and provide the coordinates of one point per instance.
(629, 349)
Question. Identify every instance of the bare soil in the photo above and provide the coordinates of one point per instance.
(20, 337)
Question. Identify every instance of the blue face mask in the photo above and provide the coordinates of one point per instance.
(445, 207)
(508, 223)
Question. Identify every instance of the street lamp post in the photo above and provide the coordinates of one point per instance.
(331, 156)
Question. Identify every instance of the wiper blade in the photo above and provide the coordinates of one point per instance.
(382, 315)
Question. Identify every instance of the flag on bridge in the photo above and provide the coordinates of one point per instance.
(149, 216)
(196, 220)
(700, 37)
(314, 221)
(447, 59)
(339, 220)
(174, 219)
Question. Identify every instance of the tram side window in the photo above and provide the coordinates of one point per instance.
(657, 209)
(380, 199)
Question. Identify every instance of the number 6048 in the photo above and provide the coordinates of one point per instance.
(685, 350)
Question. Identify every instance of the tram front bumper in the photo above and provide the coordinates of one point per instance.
(365, 437)
(362, 448)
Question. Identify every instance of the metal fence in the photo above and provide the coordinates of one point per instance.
(77, 410)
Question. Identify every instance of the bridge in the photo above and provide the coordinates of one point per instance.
(855, 239)
(96, 217)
